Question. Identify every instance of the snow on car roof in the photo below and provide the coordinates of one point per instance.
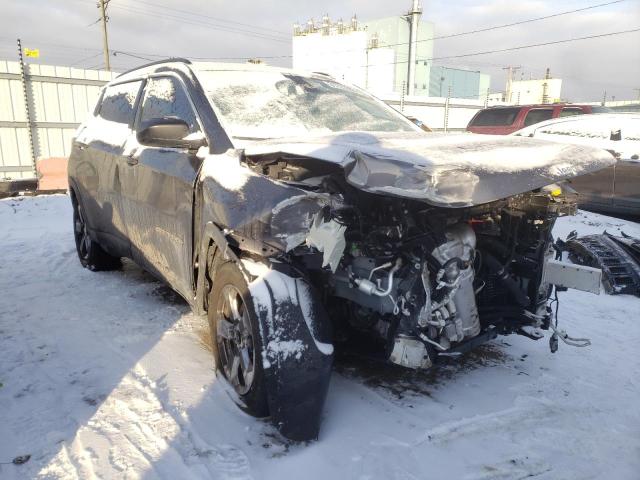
(604, 120)
(252, 67)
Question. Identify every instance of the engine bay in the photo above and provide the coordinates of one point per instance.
(421, 281)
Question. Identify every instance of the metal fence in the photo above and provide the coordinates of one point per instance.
(438, 113)
(50, 101)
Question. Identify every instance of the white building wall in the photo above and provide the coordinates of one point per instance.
(531, 91)
(380, 71)
(344, 56)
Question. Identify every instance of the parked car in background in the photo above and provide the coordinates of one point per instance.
(628, 108)
(504, 120)
(615, 189)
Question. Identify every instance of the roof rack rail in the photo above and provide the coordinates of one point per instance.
(157, 62)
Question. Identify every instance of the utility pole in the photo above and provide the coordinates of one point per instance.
(414, 18)
(545, 87)
(510, 71)
(604, 98)
(637, 90)
(102, 5)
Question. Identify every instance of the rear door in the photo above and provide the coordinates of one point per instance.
(98, 174)
(537, 115)
(161, 187)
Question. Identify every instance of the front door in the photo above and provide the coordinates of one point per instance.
(161, 187)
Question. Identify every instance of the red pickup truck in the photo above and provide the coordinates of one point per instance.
(504, 120)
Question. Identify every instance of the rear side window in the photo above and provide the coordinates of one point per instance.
(495, 117)
(165, 97)
(118, 102)
(568, 112)
(538, 115)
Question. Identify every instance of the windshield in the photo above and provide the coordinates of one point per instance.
(274, 104)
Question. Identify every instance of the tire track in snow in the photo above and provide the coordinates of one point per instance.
(527, 410)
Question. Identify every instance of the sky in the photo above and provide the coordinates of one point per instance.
(66, 33)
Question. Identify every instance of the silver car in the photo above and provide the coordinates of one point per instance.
(615, 189)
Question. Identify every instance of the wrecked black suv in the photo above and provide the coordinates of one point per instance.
(295, 210)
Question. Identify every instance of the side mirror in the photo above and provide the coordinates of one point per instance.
(169, 132)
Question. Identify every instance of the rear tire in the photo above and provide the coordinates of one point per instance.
(235, 337)
(90, 253)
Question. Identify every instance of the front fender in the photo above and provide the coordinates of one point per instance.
(297, 353)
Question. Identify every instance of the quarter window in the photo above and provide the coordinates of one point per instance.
(118, 102)
(568, 112)
(538, 115)
(165, 97)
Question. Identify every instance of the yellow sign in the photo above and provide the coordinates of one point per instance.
(32, 52)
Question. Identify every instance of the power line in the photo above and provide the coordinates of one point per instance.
(85, 59)
(506, 25)
(481, 30)
(202, 23)
(337, 51)
(511, 49)
(217, 19)
(459, 34)
(141, 55)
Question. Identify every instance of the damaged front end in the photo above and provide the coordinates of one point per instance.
(425, 268)
(410, 280)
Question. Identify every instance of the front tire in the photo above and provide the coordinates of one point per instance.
(235, 338)
(90, 253)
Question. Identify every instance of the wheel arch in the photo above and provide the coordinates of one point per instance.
(289, 311)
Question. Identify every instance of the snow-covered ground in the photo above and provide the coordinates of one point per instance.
(107, 375)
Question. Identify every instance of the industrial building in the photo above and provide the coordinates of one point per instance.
(463, 83)
(544, 90)
(377, 55)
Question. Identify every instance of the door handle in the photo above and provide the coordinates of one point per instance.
(132, 159)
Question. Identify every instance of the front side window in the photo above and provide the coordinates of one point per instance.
(568, 112)
(538, 115)
(118, 102)
(271, 104)
(495, 117)
(165, 97)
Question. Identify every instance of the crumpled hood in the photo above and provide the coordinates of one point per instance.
(449, 170)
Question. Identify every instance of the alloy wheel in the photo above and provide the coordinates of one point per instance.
(83, 240)
(235, 340)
